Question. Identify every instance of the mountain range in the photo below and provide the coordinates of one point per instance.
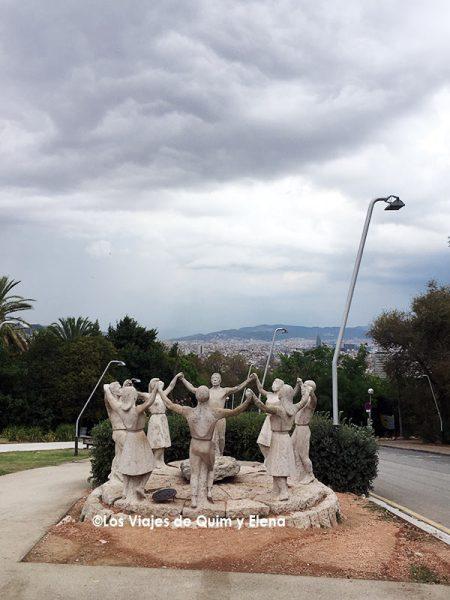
(265, 332)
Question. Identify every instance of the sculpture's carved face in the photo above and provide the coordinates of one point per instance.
(202, 394)
(216, 379)
(277, 385)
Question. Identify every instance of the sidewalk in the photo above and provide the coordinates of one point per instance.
(30, 501)
(27, 447)
(416, 445)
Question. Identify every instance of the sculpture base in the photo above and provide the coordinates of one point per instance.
(224, 468)
(312, 505)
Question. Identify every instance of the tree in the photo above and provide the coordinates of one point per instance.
(143, 354)
(12, 334)
(354, 381)
(70, 329)
(418, 343)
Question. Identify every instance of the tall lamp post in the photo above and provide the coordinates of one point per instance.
(283, 330)
(436, 404)
(393, 203)
(111, 362)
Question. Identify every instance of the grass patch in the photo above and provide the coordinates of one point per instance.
(383, 513)
(11, 462)
(422, 574)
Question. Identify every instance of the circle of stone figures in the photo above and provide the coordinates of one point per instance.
(137, 455)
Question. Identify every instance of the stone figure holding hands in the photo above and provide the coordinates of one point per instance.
(136, 461)
(265, 435)
(280, 461)
(302, 433)
(202, 419)
(217, 398)
(158, 433)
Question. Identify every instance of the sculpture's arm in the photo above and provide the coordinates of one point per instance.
(142, 396)
(187, 384)
(261, 390)
(148, 401)
(298, 386)
(306, 398)
(267, 408)
(241, 386)
(176, 408)
(222, 413)
(173, 383)
(109, 398)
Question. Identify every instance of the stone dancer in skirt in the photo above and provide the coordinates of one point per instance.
(302, 434)
(280, 461)
(136, 461)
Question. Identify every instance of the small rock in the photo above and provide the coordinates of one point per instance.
(224, 467)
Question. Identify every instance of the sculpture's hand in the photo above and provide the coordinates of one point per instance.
(180, 375)
(254, 376)
(249, 394)
(299, 380)
(106, 387)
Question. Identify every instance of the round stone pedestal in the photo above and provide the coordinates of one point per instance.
(247, 494)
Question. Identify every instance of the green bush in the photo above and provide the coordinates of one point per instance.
(19, 433)
(102, 453)
(345, 457)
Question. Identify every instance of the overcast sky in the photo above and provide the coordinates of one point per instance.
(202, 165)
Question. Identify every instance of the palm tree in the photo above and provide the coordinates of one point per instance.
(11, 326)
(69, 328)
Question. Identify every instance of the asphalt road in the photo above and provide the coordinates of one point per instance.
(419, 481)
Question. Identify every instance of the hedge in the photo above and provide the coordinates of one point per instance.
(17, 433)
(344, 458)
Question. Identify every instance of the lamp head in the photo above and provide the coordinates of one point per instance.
(370, 391)
(393, 203)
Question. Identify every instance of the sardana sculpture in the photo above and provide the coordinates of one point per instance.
(302, 433)
(202, 421)
(217, 399)
(265, 435)
(280, 460)
(136, 461)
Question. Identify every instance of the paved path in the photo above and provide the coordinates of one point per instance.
(419, 481)
(32, 500)
(27, 447)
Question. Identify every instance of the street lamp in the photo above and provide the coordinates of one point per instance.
(111, 362)
(283, 330)
(393, 203)
(369, 408)
(436, 404)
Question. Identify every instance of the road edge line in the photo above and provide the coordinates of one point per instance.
(435, 529)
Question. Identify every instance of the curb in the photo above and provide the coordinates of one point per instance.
(437, 530)
(425, 450)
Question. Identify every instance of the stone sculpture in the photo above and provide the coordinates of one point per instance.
(217, 398)
(302, 434)
(136, 461)
(280, 460)
(118, 432)
(202, 421)
(265, 435)
(158, 433)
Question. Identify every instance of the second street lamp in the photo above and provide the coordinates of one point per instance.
(393, 203)
(283, 330)
(111, 362)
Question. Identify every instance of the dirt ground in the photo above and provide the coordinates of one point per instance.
(370, 543)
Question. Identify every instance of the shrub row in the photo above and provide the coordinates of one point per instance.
(345, 457)
(16, 433)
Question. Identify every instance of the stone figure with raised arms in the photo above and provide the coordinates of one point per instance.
(302, 433)
(280, 461)
(265, 435)
(136, 461)
(217, 398)
(118, 432)
(202, 420)
(158, 433)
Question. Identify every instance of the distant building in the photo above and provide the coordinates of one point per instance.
(378, 360)
(318, 341)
